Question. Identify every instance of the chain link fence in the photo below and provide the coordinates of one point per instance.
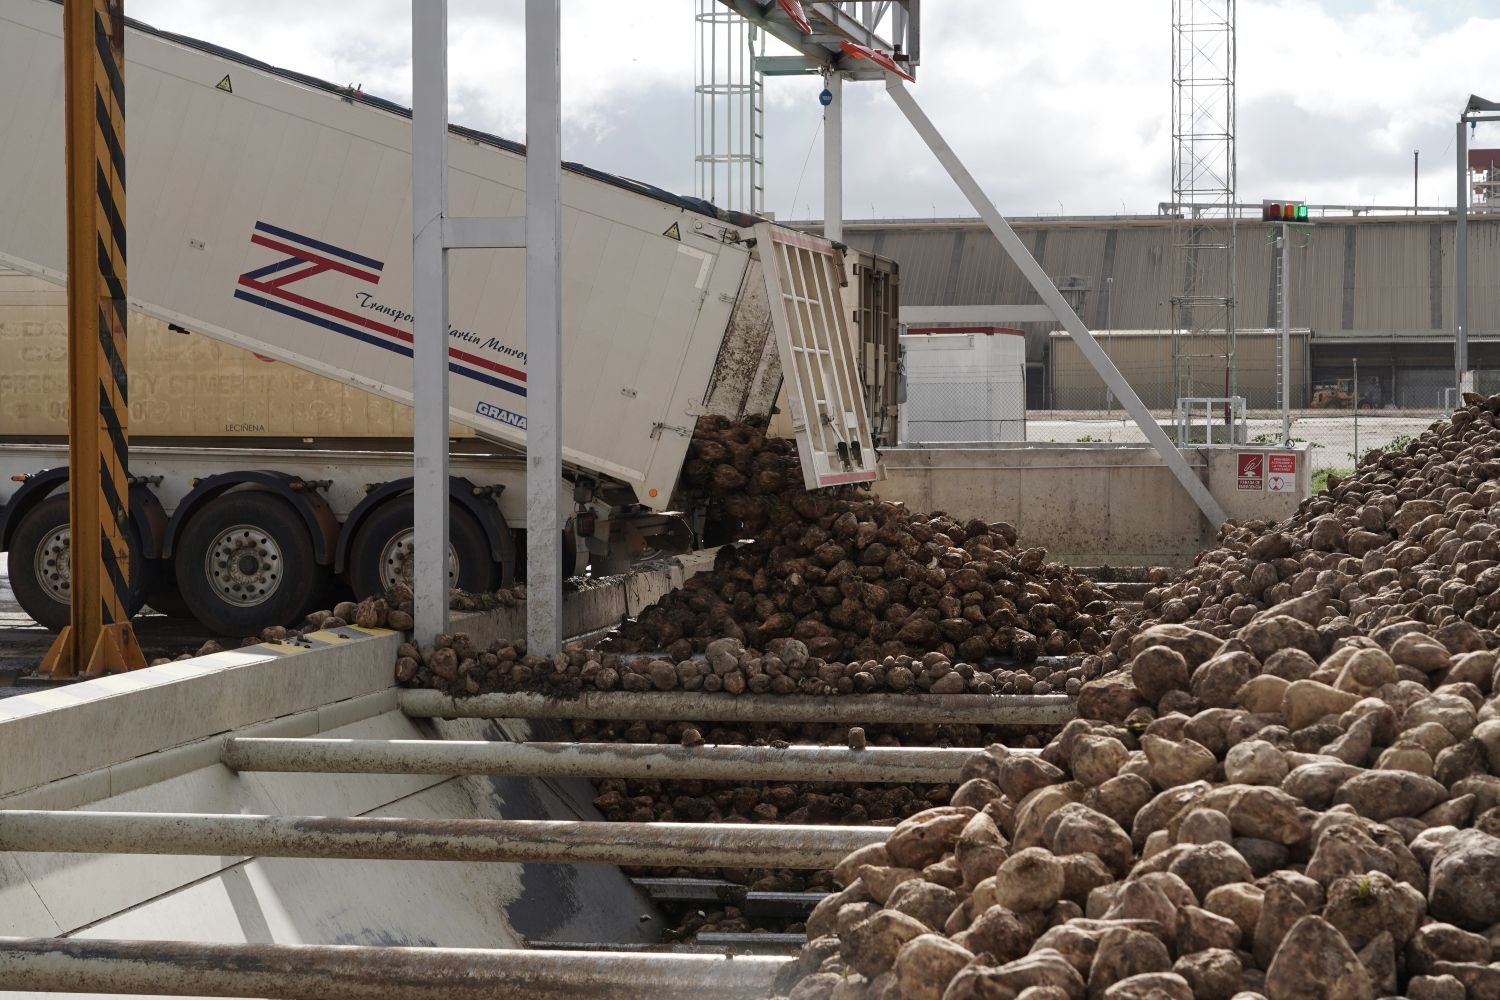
(947, 410)
(1338, 418)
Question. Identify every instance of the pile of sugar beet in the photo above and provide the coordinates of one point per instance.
(836, 592)
(1286, 784)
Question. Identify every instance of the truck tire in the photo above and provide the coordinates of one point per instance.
(246, 561)
(40, 566)
(380, 555)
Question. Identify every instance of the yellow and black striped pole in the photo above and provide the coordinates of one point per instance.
(99, 639)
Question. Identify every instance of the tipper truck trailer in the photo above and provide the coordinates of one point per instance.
(269, 218)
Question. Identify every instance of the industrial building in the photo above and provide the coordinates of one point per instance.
(1376, 288)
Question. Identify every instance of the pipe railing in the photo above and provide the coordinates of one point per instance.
(647, 761)
(383, 838)
(333, 972)
(671, 706)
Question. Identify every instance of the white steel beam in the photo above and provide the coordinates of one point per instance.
(1054, 300)
(429, 188)
(543, 329)
(833, 161)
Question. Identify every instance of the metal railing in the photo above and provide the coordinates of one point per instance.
(392, 838)
(1222, 425)
(167, 968)
(333, 972)
(668, 706)
(645, 761)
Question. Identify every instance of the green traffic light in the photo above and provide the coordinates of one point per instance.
(1301, 212)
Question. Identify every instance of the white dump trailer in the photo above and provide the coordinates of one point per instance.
(270, 212)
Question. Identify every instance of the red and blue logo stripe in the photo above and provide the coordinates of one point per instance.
(304, 257)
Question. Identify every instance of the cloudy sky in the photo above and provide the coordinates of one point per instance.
(1056, 108)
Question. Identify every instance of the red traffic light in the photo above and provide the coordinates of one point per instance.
(1270, 211)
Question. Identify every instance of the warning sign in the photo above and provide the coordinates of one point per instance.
(1281, 473)
(225, 85)
(1250, 470)
(673, 233)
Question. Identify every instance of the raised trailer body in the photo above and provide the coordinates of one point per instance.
(269, 211)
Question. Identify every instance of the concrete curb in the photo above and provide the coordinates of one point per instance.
(104, 722)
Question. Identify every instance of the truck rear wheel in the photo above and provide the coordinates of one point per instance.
(41, 570)
(381, 554)
(246, 561)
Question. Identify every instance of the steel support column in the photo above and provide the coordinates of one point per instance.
(429, 295)
(434, 233)
(383, 838)
(335, 972)
(98, 638)
(1049, 294)
(544, 427)
(1461, 266)
(646, 761)
(844, 710)
(833, 161)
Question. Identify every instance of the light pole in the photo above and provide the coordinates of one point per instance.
(1286, 334)
(1286, 214)
(1477, 110)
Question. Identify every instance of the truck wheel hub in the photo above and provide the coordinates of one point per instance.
(397, 561)
(244, 566)
(54, 564)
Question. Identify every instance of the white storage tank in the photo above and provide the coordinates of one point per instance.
(963, 385)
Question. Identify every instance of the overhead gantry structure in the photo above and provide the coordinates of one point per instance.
(874, 40)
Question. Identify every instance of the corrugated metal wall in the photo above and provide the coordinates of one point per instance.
(1370, 273)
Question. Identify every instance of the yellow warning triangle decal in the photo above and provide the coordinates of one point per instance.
(225, 85)
(673, 233)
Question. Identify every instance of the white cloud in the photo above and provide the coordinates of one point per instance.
(1047, 103)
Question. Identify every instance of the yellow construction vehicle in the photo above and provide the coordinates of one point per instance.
(1338, 395)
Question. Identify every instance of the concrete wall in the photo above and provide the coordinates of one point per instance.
(1086, 504)
(1248, 504)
